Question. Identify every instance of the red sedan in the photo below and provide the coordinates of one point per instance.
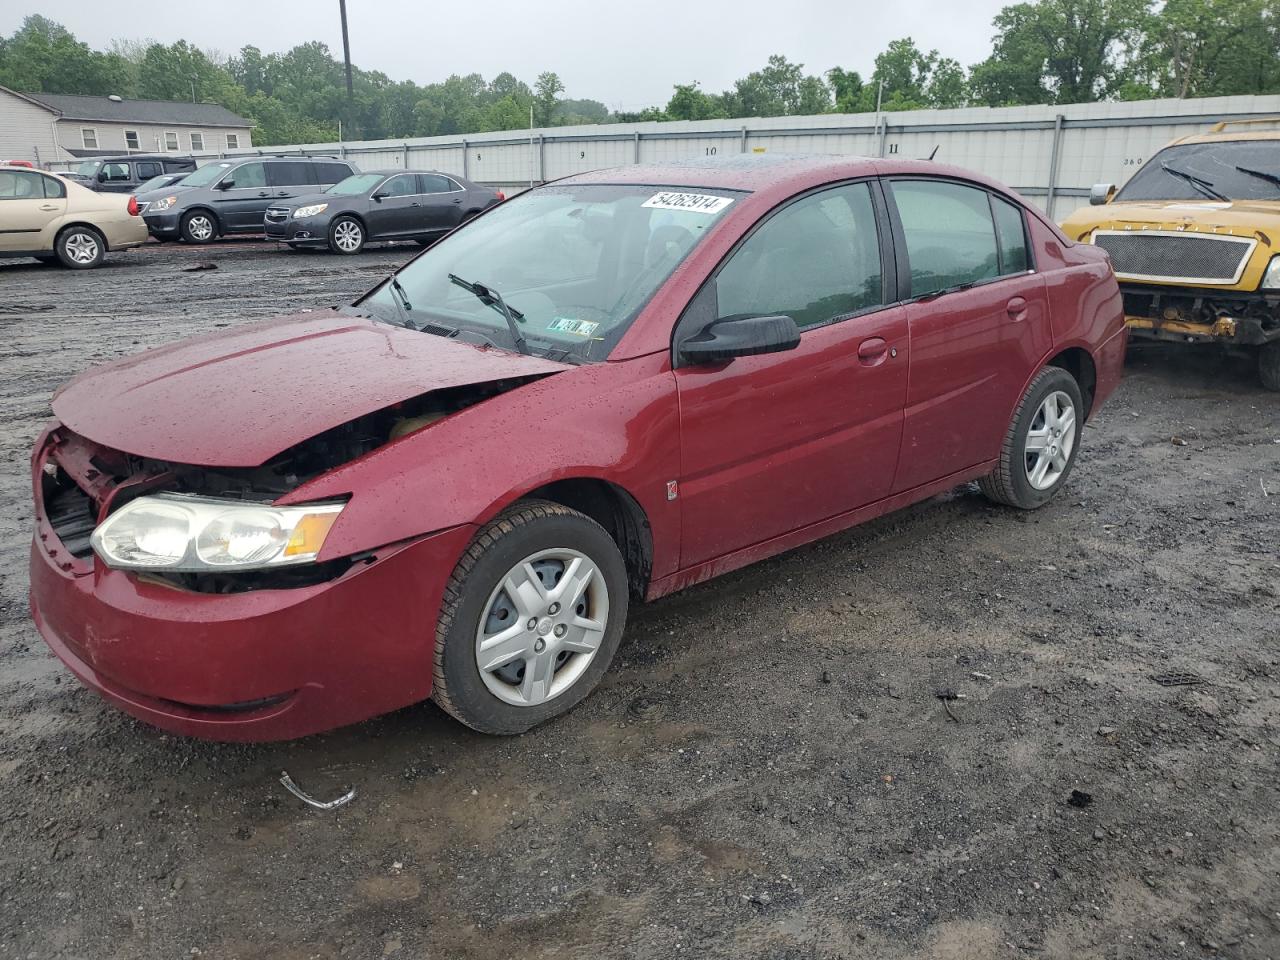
(604, 390)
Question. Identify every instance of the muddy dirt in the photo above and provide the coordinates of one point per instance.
(767, 771)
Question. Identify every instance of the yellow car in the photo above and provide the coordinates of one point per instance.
(1194, 238)
(53, 219)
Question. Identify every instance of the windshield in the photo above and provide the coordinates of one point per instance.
(206, 175)
(89, 168)
(1216, 166)
(354, 185)
(575, 263)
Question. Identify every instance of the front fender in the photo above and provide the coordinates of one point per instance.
(616, 421)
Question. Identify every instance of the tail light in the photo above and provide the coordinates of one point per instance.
(501, 195)
(133, 206)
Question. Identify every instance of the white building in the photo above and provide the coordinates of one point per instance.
(53, 128)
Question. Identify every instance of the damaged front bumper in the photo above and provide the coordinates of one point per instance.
(266, 664)
(1191, 316)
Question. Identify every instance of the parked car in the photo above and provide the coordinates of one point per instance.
(420, 205)
(54, 220)
(231, 196)
(158, 183)
(1189, 236)
(126, 174)
(74, 177)
(444, 490)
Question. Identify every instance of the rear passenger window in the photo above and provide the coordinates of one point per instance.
(1014, 257)
(113, 172)
(329, 173)
(288, 173)
(435, 183)
(950, 236)
(148, 169)
(813, 261)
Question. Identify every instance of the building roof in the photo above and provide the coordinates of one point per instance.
(75, 107)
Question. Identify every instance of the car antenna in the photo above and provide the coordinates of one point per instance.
(934, 152)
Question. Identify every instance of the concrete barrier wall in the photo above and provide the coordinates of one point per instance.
(1050, 154)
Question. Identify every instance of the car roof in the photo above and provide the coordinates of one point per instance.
(392, 173)
(772, 173)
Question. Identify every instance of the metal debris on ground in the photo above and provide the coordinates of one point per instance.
(311, 801)
(1080, 799)
(945, 696)
(203, 265)
(1176, 679)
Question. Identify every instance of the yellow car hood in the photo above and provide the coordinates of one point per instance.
(1241, 218)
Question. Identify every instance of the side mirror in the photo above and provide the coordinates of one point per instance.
(741, 336)
(102, 176)
(1101, 193)
(380, 196)
(226, 184)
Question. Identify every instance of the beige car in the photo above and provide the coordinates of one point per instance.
(50, 218)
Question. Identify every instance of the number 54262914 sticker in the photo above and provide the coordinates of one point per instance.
(697, 202)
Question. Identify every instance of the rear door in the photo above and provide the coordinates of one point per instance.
(290, 178)
(774, 443)
(242, 205)
(978, 320)
(28, 203)
(442, 200)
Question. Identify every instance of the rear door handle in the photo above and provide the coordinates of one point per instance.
(48, 206)
(1017, 308)
(872, 350)
(459, 200)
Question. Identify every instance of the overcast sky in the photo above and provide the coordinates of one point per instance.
(625, 55)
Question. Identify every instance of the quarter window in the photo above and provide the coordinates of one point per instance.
(54, 189)
(197, 140)
(950, 236)
(171, 140)
(1014, 256)
(330, 173)
(89, 137)
(131, 140)
(815, 261)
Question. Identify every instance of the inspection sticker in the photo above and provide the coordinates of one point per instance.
(697, 202)
(582, 328)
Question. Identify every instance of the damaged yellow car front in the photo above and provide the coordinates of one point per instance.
(1194, 238)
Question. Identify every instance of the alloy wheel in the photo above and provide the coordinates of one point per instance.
(542, 627)
(200, 228)
(82, 248)
(348, 236)
(1050, 440)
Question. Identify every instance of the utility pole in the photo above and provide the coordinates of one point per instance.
(346, 45)
(193, 88)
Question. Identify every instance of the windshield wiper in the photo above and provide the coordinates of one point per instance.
(1260, 174)
(1204, 186)
(491, 298)
(401, 300)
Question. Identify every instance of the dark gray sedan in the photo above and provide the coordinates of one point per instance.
(420, 205)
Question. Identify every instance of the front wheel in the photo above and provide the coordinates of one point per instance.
(346, 235)
(198, 227)
(531, 618)
(1269, 365)
(1041, 444)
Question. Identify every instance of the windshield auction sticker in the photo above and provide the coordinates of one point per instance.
(697, 202)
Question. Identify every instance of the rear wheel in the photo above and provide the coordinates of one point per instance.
(1041, 444)
(346, 235)
(531, 618)
(199, 227)
(80, 248)
(1269, 365)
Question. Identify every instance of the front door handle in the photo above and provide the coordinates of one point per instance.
(459, 200)
(872, 350)
(264, 193)
(1017, 308)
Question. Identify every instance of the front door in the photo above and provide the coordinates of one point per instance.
(395, 207)
(978, 319)
(28, 202)
(774, 443)
(242, 205)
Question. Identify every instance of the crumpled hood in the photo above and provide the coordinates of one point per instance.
(1236, 217)
(239, 397)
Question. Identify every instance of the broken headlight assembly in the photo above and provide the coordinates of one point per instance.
(176, 532)
(164, 203)
(1271, 279)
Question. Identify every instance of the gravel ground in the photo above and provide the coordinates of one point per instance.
(766, 772)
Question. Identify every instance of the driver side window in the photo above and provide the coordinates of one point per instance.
(815, 261)
(249, 175)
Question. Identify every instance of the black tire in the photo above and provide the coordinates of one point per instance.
(1269, 365)
(199, 227)
(80, 248)
(346, 227)
(1009, 483)
(519, 532)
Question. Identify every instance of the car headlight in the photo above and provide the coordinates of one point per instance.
(163, 204)
(1271, 279)
(310, 210)
(169, 531)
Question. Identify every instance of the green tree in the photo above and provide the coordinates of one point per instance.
(546, 95)
(43, 56)
(780, 88)
(1209, 48)
(690, 103)
(847, 87)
